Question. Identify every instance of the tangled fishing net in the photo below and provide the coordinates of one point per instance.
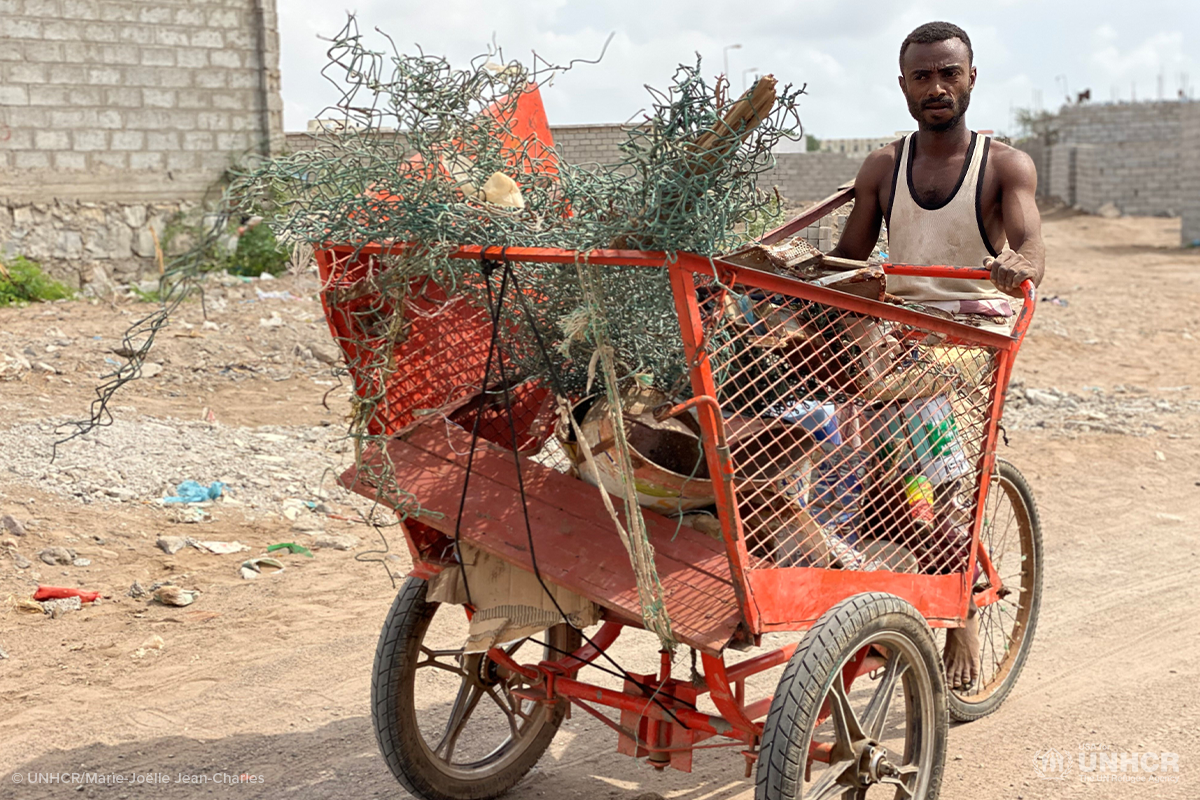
(427, 157)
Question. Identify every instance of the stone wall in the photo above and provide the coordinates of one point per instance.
(1190, 175)
(113, 112)
(1124, 154)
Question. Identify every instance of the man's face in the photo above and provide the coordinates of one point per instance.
(937, 80)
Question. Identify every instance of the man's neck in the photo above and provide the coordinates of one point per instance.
(940, 144)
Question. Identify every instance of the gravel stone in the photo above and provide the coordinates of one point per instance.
(57, 555)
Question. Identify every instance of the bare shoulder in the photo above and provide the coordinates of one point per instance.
(1014, 166)
(877, 168)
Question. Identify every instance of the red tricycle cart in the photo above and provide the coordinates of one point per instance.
(847, 446)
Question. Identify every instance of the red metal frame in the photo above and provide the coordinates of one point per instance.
(666, 726)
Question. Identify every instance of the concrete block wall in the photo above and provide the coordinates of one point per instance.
(113, 103)
(589, 144)
(798, 176)
(1126, 154)
(1189, 152)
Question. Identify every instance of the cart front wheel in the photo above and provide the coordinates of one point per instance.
(860, 710)
(449, 724)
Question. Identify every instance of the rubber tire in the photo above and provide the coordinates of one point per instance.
(394, 712)
(961, 711)
(809, 674)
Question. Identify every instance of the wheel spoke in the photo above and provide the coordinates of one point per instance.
(434, 655)
(875, 715)
(845, 721)
(464, 704)
(831, 786)
(508, 712)
(439, 665)
(905, 781)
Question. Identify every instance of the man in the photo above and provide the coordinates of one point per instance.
(949, 196)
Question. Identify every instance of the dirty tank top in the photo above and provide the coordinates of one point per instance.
(950, 233)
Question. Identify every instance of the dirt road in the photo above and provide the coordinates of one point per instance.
(270, 678)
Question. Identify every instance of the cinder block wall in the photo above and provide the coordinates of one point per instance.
(1190, 174)
(114, 112)
(1126, 154)
(798, 176)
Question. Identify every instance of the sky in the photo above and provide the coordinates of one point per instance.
(1029, 53)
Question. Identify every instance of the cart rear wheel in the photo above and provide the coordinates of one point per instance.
(1012, 534)
(829, 735)
(484, 741)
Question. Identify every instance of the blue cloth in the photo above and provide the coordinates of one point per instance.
(193, 492)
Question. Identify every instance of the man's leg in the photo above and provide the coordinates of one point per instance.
(962, 653)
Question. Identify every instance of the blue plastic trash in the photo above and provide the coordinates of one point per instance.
(193, 492)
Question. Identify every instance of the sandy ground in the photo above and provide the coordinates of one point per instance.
(270, 678)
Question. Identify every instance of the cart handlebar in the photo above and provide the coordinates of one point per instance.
(975, 274)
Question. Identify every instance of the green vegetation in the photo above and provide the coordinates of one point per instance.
(22, 281)
(811, 143)
(258, 252)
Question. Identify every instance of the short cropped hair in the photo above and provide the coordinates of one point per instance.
(932, 32)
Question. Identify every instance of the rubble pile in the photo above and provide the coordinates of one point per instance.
(1125, 410)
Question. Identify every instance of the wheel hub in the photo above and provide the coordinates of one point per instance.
(873, 764)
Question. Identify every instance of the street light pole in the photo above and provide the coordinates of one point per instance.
(725, 55)
(746, 72)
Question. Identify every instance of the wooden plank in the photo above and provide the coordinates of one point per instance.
(843, 195)
(575, 542)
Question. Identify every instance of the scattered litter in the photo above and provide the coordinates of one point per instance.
(82, 562)
(291, 547)
(9, 523)
(283, 295)
(25, 604)
(151, 370)
(209, 325)
(3, 655)
(219, 548)
(274, 321)
(153, 643)
(171, 544)
(57, 556)
(1159, 455)
(188, 515)
(56, 608)
(343, 541)
(136, 591)
(194, 492)
(1055, 300)
(309, 524)
(174, 596)
(253, 567)
(63, 592)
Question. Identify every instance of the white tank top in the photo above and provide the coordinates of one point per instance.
(950, 233)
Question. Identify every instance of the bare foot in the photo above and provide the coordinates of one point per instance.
(962, 654)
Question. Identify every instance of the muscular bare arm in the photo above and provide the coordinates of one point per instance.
(862, 227)
(1025, 256)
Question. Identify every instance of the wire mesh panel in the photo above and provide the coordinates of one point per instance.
(415, 349)
(857, 441)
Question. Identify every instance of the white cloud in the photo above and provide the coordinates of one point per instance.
(845, 51)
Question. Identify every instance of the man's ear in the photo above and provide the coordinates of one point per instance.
(973, 73)
(904, 87)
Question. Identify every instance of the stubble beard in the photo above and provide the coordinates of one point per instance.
(960, 109)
